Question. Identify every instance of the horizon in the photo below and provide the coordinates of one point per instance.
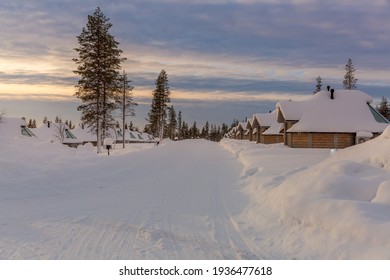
(225, 60)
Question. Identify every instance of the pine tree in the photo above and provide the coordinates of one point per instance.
(225, 130)
(349, 77)
(179, 126)
(384, 108)
(318, 85)
(44, 120)
(172, 123)
(234, 123)
(158, 112)
(98, 66)
(185, 131)
(126, 103)
(212, 132)
(207, 130)
(194, 131)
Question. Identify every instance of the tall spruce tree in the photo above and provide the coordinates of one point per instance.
(126, 103)
(98, 66)
(185, 130)
(179, 126)
(318, 85)
(194, 131)
(172, 125)
(349, 77)
(158, 112)
(207, 130)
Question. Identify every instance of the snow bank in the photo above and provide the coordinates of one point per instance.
(337, 208)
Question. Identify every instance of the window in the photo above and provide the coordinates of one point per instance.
(378, 117)
(69, 135)
(26, 132)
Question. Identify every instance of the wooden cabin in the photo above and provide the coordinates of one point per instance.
(252, 128)
(261, 122)
(273, 134)
(330, 119)
(241, 132)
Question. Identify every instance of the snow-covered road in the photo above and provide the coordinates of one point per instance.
(175, 201)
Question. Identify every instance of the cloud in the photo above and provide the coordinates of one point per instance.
(237, 51)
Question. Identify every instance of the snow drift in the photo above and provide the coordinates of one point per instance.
(336, 209)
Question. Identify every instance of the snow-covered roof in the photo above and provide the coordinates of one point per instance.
(249, 123)
(14, 127)
(52, 132)
(242, 125)
(265, 119)
(274, 129)
(130, 136)
(85, 134)
(349, 111)
(291, 110)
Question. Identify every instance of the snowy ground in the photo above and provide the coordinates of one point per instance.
(194, 199)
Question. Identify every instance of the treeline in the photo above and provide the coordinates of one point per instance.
(32, 123)
(210, 132)
(175, 128)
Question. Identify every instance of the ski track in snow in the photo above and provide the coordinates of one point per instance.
(132, 206)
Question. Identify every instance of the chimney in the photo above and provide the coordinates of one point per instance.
(332, 93)
(328, 87)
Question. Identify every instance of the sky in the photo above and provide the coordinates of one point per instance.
(225, 59)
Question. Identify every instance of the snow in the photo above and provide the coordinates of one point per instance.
(249, 123)
(11, 128)
(266, 119)
(85, 134)
(241, 127)
(194, 199)
(291, 110)
(364, 134)
(274, 129)
(347, 112)
(338, 208)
